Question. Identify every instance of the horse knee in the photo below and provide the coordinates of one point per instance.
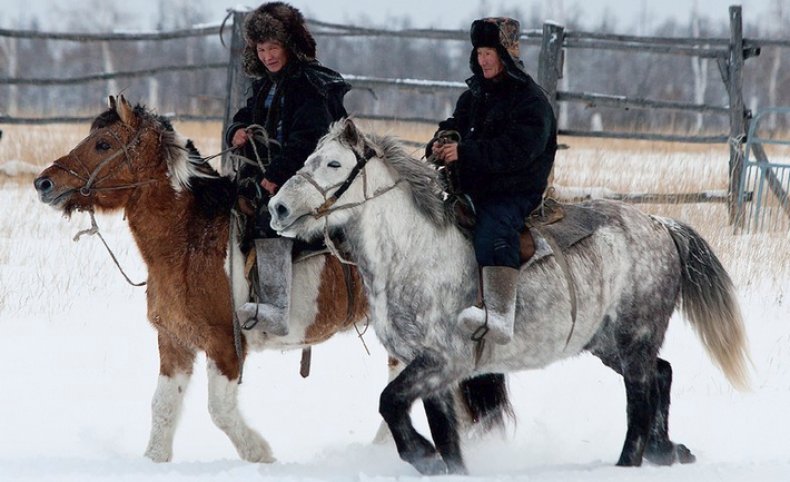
(387, 407)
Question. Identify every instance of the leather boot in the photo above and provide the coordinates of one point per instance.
(275, 271)
(494, 320)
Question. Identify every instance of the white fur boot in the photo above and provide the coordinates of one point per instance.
(494, 320)
(275, 272)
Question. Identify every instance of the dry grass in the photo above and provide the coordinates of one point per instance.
(621, 166)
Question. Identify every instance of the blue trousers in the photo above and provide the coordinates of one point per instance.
(500, 220)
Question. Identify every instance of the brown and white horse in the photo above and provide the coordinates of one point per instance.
(179, 212)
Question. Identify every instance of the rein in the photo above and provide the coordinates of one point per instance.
(94, 229)
(93, 178)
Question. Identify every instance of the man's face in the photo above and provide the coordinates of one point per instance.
(489, 61)
(273, 55)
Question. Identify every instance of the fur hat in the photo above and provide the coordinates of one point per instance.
(283, 23)
(494, 32)
(502, 34)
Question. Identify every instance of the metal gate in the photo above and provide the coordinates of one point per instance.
(763, 202)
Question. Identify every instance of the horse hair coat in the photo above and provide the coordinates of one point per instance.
(420, 272)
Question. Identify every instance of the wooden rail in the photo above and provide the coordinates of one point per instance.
(553, 39)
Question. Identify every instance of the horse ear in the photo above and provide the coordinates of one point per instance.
(111, 102)
(350, 132)
(125, 111)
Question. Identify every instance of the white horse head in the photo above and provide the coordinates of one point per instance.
(346, 171)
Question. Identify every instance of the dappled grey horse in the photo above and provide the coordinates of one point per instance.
(420, 272)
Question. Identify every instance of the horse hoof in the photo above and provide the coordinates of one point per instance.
(632, 461)
(669, 453)
(430, 466)
(257, 451)
(159, 456)
(457, 468)
(684, 454)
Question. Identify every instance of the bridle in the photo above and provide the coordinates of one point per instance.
(328, 205)
(92, 179)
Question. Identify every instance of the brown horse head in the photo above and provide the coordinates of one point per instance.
(128, 149)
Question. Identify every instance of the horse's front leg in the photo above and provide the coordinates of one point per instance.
(394, 367)
(223, 387)
(175, 370)
(422, 378)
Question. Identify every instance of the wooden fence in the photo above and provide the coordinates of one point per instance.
(553, 40)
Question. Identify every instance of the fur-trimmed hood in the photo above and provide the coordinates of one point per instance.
(281, 22)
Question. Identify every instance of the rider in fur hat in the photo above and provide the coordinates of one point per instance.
(508, 138)
(294, 100)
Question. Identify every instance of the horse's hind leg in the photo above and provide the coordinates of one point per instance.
(440, 412)
(421, 378)
(223, 386)
(175, 370)
(635, 361)
(660, 450)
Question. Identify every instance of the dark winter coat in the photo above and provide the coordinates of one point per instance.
(508, 134)
(309, 98)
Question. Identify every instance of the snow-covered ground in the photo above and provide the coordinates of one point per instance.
(78, 366)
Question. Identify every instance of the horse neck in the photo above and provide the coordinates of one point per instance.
(159, 219)
(391, 235)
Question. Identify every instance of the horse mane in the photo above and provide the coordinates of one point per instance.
(214, 194)
(423, 180)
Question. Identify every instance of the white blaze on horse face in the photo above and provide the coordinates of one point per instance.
(165, 411)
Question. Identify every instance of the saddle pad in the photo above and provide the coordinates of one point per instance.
(579, 223)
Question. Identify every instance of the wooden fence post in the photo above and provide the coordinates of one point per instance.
(550, 60)
(737, 109)
(13, 71)
(550, 63)
(238, 82)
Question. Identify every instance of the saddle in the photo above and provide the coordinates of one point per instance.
(552, 224)
(560, 225)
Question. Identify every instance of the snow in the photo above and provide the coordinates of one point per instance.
(14, 168)
(79, 367)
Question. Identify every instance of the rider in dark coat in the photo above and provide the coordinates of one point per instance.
(294, 100)
(508, 139)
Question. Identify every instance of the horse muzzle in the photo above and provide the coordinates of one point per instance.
(280, 215)
(49, 193)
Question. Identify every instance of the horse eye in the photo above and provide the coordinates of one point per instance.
(333, 164)
(102, 146)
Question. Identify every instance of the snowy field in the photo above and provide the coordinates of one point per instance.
(79, 367)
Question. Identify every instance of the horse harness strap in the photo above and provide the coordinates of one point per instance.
(93, 176)
(562, 260)
(362, 160)
(307, 354)
(547, 213)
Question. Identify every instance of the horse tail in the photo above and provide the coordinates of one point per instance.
(710, 305)
(487, 401)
